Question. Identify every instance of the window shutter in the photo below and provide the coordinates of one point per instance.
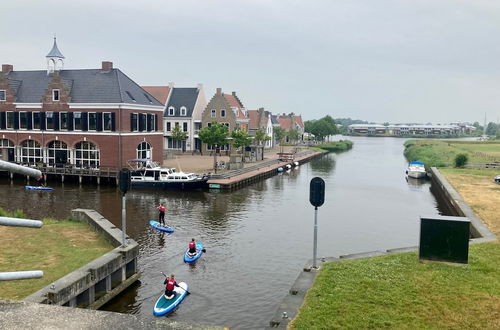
(16, 120)
(142, 122)
(85, 121)
(113, 118)
(131, 122)
(156, 122)
(149, 122)
(2, 120)
(55, 118)
(30, 120)
(42, 121)
(70, 121)
(99, 121)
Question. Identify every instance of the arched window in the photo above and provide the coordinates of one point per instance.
(31, 152)
(58, 153)
(7, 148)
(86, 155)
(144, 150)
(171, 111)
(183, 111)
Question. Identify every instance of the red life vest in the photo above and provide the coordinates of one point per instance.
(170, 284)
(161, 208)
(192, 245)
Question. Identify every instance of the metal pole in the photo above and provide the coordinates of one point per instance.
(15, 168)
(124, 221)
(9, 276)
(315, 249)
(15, 222)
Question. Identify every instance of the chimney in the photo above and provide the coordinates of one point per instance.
(6, 68)
(219, 91)
(107, 66)
(234, 93)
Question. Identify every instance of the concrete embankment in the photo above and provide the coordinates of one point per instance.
(239, 178)
(442, 189)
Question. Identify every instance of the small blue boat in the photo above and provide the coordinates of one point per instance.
(37, 188)
(164, 305)
(156, 225)
(188, 257)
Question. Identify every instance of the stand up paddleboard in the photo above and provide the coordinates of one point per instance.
(156, 225)
(163, 305)
(37, 188)
(188, 257)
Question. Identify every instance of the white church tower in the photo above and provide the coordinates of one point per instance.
(55, 59)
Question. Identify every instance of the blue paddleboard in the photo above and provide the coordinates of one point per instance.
(164, 306)
(156, 225)
(37, 188)
(188, 257)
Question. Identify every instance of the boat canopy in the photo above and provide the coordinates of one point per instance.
(416, 163)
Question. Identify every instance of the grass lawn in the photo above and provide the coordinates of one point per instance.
(399, 292)
(58, 248)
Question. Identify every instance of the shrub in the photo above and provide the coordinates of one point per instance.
(461, 160)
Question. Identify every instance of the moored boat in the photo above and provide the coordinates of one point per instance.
(416, 170)
(150, 175)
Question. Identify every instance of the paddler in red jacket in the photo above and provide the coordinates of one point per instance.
(170, 283)
(161, 215)
(192, 246)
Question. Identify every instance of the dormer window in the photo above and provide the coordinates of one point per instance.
(183, 111)
(55, 95)
(223, 113)
(2, 95)
(171, 111)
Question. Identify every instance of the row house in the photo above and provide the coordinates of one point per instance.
(369, 129)
(291, 122)
(183, 107)
(86, 118)
(423, 129)
(261, 120)
(226, 109)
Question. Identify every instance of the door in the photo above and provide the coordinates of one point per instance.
(61, 157)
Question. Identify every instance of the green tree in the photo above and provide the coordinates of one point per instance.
(461, 160)
(261, 136)
(178, 134)
(214, 135)
(240, 139)
(279, 135)
(294, 134)
(491, 129)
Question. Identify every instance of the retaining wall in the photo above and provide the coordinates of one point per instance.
(94, 284)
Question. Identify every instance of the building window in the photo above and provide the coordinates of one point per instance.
(86, 155)
(31, 152)
(135, 122)
(58, 153)
(144, 150)
(183, 111)
(223, 113)
(171, 111)
(77, 121)
(169, 126)
(23, 120)
(213, 113)
(37, 120)
(55, 95)
(10, 120)
(106, 121)
(49, 120)
(92, 121)
(185, 127)
(2, 95)
(63, 121)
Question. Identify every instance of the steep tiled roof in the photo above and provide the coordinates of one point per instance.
(182, 97)
(298, 121)
(159, 92)
(235, 102)
(85, 86)
(253, 115)
(274, 120)
(285, 122)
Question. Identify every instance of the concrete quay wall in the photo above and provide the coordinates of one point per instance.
(97, 282)
(443, 190)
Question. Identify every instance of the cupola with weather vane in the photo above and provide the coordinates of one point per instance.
(55, 59)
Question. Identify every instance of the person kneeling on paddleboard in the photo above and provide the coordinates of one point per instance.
(192, 246)
(161, 215)
(169, 287)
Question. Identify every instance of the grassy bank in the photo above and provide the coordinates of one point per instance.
(442, 153)
(58, 248)
(397, 292)
(337, 146)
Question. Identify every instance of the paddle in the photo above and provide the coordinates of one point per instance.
(187, 292)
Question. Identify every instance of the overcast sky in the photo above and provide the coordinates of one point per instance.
(376, 60)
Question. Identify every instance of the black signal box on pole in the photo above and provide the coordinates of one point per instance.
(124, 180)
(317, 191)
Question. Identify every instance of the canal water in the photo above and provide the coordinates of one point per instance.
(257, 238)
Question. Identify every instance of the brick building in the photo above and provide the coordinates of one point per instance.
(87, 118)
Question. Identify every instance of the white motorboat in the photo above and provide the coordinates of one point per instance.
(149, 174)
(416, 170)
